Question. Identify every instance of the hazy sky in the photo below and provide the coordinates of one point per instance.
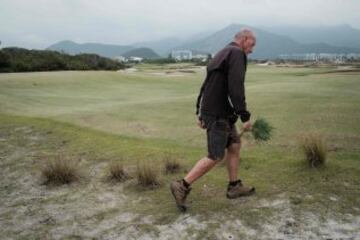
(39, 23)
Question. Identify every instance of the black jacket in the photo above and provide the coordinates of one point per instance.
(222, 93)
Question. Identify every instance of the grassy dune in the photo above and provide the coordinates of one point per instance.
(98, 117)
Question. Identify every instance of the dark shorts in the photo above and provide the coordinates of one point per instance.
(221, 133)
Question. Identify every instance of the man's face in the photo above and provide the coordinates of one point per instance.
(249, 44)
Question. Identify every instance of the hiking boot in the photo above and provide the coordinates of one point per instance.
(180, 192)
(239, 190)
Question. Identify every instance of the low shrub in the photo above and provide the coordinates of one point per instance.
(60, 170)
(117, 172)
(147, 175)
(314, 149)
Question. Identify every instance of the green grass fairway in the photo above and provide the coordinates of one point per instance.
(150, 105)
(149, 113)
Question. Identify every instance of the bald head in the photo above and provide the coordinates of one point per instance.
(246, 40)
(244, 33)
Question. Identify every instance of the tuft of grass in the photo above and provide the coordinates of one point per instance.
(171, 165)
(147, 175)
(117, 172)
(314, 149)
(261, 130)
(60, 170)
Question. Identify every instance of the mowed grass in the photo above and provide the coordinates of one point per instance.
(142, 116)
(141, 104)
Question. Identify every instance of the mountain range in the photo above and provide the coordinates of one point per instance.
(341, 35)
(106, 50)
(271, 42)
(269, 45)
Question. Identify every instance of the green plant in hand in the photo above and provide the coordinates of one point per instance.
(262, 130)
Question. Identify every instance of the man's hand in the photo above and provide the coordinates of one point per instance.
(201, 123)
(247, 126)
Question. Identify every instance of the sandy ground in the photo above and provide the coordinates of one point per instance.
(94, 209)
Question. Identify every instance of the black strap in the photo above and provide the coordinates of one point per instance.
(200, 94)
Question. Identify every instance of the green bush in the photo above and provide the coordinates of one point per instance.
(23, 60)
(4, 60)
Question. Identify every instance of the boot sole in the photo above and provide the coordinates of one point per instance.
(252, 191)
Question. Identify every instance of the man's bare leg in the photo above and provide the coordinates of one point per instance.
(201, 167)
(181, 188)
(232, 161)
(235, 189)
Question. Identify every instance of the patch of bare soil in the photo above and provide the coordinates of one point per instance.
(94, 209)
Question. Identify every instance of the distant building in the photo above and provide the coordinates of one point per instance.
(333, 57)
(353, 56)
(181, 55)
(121, 59)
(202, 57)
(136, 59)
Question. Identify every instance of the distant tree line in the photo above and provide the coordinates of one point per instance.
(169, 60)
(23, 60)
(160, 61)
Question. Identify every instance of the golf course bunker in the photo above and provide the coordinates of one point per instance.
(165, 74)
(128, 70)
(178, 73)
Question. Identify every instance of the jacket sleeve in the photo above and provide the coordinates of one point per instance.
(236, 78)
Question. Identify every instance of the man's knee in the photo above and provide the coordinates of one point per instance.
(234, 149)
(216, 157)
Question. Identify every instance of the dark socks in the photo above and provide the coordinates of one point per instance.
(233, 183)
(186, 184)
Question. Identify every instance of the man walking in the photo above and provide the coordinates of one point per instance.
(220, 102)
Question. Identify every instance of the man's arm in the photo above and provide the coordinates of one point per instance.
(236, 89)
